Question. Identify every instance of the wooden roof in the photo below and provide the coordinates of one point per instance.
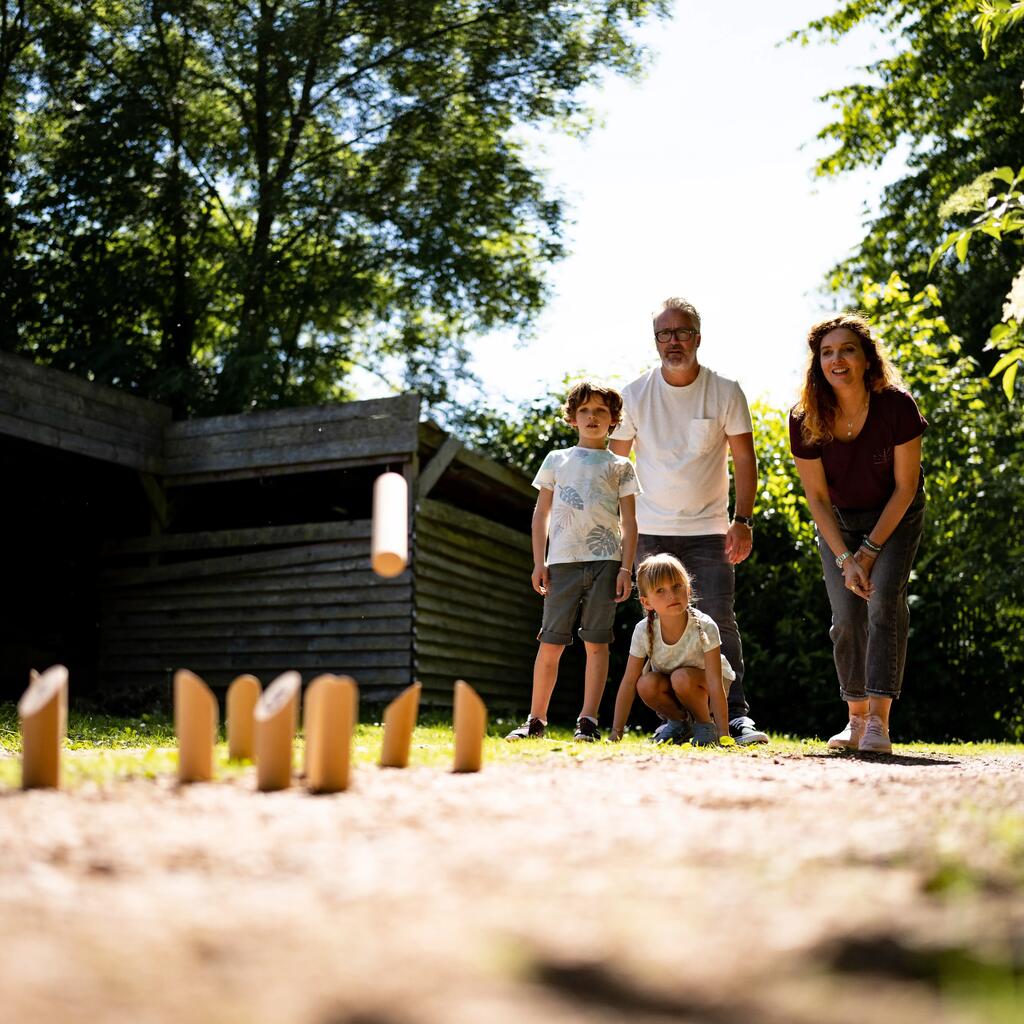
(59, 410)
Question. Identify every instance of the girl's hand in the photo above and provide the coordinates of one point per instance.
(623, 585)
(541, 579)
(614, 735)
(856, 579)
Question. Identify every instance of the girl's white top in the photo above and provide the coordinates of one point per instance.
(687, 652)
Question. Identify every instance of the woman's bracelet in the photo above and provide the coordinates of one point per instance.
(869, 545)
(622, 568)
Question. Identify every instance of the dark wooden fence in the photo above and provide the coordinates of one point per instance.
(476, 614)
(211, 590)
(297, 597)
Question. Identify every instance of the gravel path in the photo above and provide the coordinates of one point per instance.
(722, 887)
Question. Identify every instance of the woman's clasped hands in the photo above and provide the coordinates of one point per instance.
(857, 575)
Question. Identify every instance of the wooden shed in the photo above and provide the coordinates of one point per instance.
(138, 545)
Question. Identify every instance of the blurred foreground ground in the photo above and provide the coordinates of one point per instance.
(746, 886)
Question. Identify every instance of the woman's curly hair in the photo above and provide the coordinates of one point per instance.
(817, 406)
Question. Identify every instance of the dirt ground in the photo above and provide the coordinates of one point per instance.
(749, 886)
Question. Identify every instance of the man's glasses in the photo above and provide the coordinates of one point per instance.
(674, 334)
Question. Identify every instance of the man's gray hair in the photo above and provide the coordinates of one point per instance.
(681, 306)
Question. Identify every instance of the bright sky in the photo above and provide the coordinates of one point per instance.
(697, 185)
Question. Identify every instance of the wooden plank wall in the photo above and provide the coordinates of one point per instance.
(256, 600)
(62, 411)
(476, 615)
(293, 440)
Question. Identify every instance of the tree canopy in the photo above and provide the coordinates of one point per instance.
(227, 203)
(956, 112)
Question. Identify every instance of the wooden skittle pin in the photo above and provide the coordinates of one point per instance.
(330, 712)
(274, 719)
(389, 544)
(43, 710)
(195, 722)
(399, 722)
(243, 694)
(470, 724)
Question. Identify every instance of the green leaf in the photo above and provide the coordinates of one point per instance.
(1008, 381)
(938, 253)
(961, 245)
(1007, 360)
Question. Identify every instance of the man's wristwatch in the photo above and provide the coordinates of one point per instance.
(747, 521)
(842, 558)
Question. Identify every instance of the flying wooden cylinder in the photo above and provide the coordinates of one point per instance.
(195, 722)
(399, 722)
(330, 711)
(243, 694)
(43, 711)
(275, 717)
(470, 724)
(389, 545)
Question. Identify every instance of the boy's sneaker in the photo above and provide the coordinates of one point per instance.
(849, 738)
(586, 730)
(672, 730)
(876, 737)
(744, 732)
(531, 729)
(705, 734)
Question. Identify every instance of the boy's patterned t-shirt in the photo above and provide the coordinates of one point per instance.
(587, 485)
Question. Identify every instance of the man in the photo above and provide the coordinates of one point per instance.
(683, 418)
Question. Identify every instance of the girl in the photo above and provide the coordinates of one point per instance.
(687, 671)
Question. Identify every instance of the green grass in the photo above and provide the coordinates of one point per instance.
(103, 748)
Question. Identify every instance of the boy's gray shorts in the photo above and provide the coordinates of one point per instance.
(572, 584)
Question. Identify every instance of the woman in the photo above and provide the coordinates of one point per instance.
(856, 439)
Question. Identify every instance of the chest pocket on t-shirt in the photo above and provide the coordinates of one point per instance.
(701, 436)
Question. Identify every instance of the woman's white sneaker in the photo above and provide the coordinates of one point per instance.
(876, 737)
(850, 737)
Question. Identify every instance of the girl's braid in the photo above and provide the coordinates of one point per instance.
(690, 610)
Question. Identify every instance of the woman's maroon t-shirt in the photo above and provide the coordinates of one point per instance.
(860, 472)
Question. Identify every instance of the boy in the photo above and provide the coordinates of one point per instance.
(588, 499)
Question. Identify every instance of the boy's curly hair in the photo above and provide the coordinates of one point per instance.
(583, 391)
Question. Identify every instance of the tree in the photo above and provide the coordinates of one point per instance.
(968, 604)
(18, 62)
(227, 203)
(996, 215)
(958, 114)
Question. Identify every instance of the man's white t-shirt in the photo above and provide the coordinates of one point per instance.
(588, 483)
(679, 435)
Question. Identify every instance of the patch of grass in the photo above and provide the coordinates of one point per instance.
(88, 730)
(103, 748)
(983, 850)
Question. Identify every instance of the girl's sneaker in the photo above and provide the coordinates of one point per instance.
(672, 730)
(705, 734)
(850, 737)
(531, 729)
(876, 737)
(586, 730)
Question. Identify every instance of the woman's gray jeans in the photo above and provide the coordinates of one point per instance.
(869, 638)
